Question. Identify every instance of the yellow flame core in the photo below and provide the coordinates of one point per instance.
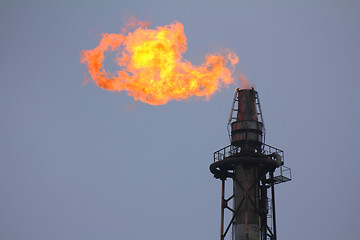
(151, 66)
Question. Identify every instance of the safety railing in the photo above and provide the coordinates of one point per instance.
(231, 150)
(282, 174)
(226, 152)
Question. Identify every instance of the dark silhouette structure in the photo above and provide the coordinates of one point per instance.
(254, 168)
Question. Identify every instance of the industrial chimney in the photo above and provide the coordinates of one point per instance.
(251, 164)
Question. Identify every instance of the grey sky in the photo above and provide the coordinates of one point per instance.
(75, 164)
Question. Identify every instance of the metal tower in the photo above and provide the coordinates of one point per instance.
(254, 168)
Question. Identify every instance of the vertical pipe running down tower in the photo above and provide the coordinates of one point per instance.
(251, 164)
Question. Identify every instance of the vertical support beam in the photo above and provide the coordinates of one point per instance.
(246, 194)
(273, 202)
(263, 209)
(222, 209)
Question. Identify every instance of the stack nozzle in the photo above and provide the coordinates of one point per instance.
(247, 130)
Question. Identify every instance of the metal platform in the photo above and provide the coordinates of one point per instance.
(283, 175)
(232, 150)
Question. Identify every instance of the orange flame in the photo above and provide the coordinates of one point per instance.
(151, 66)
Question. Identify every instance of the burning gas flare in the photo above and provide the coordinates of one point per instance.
(244, 82)
(151, 68)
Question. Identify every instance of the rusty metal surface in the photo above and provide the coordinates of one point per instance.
(251, 164)
(247, 105)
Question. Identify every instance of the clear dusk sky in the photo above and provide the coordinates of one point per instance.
(77, 163)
